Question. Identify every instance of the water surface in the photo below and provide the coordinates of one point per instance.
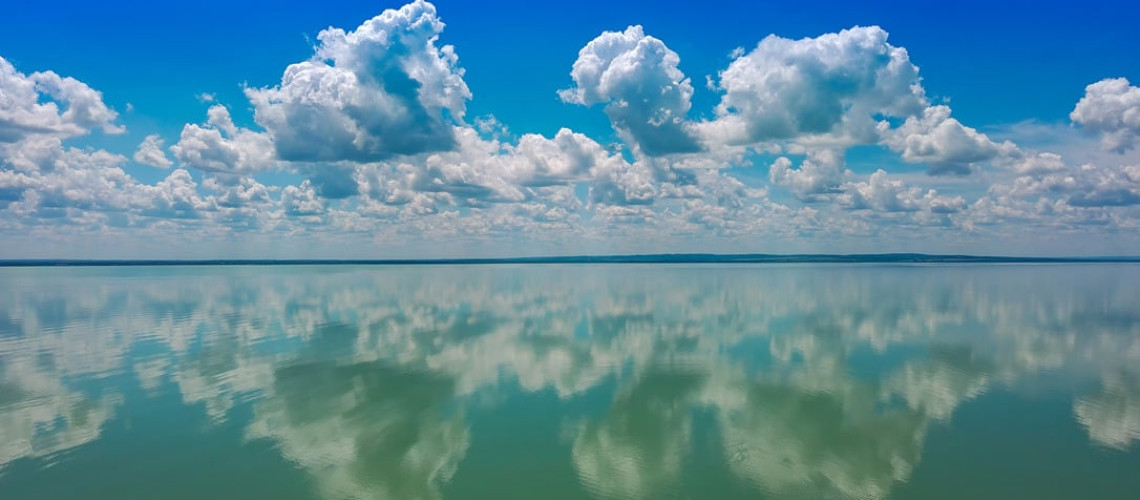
(571, 382)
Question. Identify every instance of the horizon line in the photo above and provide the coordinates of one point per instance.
(658, 258)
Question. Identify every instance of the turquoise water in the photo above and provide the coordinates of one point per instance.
(567, 382)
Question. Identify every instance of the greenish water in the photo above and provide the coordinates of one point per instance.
(568, 382)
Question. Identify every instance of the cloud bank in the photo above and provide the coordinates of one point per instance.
(368, 140)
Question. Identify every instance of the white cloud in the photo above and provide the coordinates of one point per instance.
(880, 192)
(1101, 187)
(177, 197)
(830, 88)
(62, 181)
(491, 127)
(1111, 108)
(1041, 163)
(943, 143)
(368, 137)
(819, 175)
(150, 152)
(1046, 177)
(237, 191)
(489, 170)
(481, 171)
(646, 95)
(301, 200)
(383, 89)
(31, 105)
(617, 182)
(219, 146)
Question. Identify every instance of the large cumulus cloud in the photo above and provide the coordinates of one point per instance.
(1111, 108)
(645, 94)
(383, 89)
(838, 90)
(832, 85)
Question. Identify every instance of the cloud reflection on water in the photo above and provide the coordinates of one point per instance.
(822, 381)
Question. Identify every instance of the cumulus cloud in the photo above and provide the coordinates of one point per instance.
(237, 191)
(482, 171)
(490, 170)
(40, 177)
(1046, 177)
(1048, 194)
(1111, 108)
(150, 152)
(58, 180)
(372, 125)
(383, 89)
(833, 85)
(645, 93)
(31, 105)
(943, 143)
(43, 182)
(1102, 187)
(53, 184)
(220, 146)
(818, 176)
(620, 183)
(1040, 163)
(882, 193)
(177, 197)
(301, 200)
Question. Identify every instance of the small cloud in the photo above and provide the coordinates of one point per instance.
(206, 97)
(150, 152)
(710, 83)
(491, 127)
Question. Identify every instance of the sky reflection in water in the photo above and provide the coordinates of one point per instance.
(630, 382)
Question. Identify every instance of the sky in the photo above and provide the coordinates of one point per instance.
(455, 129)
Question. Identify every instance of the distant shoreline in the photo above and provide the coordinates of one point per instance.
(886, 258)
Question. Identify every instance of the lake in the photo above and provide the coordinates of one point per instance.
(571, 382)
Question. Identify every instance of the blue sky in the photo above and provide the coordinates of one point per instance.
(136, 130)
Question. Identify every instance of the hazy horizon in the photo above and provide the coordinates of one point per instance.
(659, 258)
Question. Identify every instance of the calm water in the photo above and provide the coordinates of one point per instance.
(566, 382)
